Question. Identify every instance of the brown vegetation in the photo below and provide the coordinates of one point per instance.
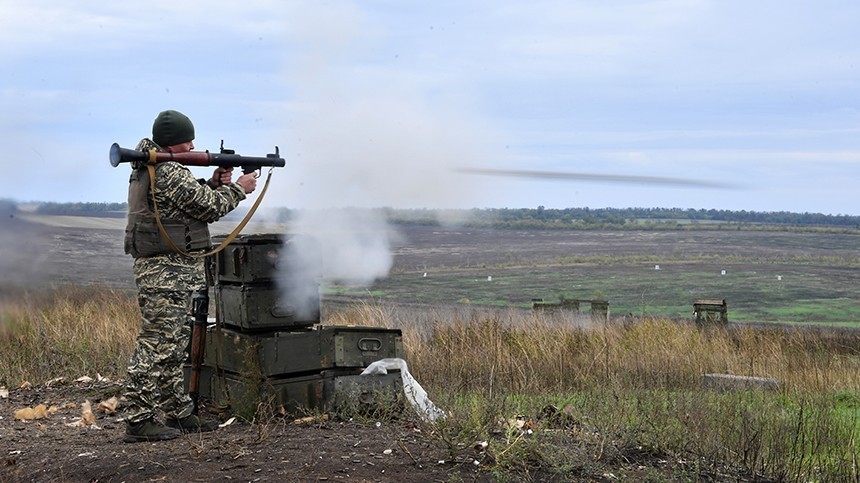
(595, 398)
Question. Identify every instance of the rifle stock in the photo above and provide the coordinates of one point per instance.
(226, 159)
(200, 308)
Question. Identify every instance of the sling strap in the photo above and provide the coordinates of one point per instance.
(151, 167)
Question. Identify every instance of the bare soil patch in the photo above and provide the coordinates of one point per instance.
(44, 249)
(424, 247)
(278, 450)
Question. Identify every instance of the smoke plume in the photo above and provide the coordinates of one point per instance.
(365, 134)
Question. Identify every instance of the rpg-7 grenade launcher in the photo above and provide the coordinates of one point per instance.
(227, 158)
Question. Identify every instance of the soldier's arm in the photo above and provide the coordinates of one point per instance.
(178, 188)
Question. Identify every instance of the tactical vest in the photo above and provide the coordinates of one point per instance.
(142, 236)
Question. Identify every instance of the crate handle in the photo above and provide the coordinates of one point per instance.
(366, 344)
(282, 311)
(238, 257)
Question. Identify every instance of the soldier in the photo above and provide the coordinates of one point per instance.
(166, 280)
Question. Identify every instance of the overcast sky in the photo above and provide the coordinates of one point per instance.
(381, 102)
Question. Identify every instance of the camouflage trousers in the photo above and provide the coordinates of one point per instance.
(155, 380)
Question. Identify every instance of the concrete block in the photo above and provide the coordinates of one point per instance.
(731, 382)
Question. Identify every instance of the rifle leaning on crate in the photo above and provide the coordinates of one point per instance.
(200, 310)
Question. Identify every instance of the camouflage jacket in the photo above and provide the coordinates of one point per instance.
(181, 197)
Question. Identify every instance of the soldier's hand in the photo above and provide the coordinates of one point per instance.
(221, 176)
(248, 182)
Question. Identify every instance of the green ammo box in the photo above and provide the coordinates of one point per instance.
(322, 391)
(256, 307)
(270, 350)
(268, 282)
(301, 351)
(265, 258)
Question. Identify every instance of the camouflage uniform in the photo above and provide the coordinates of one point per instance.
(165, 285)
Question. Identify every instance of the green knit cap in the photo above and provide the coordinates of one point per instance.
(171, 128)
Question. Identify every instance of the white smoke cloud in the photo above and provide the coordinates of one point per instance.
(367, 134)
(333, 245)
(349, 245)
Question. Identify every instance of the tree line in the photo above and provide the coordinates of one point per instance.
(534, 218)
(625, 218)
(77, 209)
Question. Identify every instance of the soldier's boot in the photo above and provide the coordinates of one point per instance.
(192, 424)
(149, 430)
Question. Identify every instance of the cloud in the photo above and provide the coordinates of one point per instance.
(376, 134)
(374, 102)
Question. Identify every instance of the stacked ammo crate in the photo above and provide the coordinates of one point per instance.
(269, 348)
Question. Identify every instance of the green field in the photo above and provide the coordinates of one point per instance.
(820, 271)
(791, 278)
(754, 294)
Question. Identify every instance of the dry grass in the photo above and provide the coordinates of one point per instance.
(638, 388)
(519, 351)
(620, 388)
(69, 332)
